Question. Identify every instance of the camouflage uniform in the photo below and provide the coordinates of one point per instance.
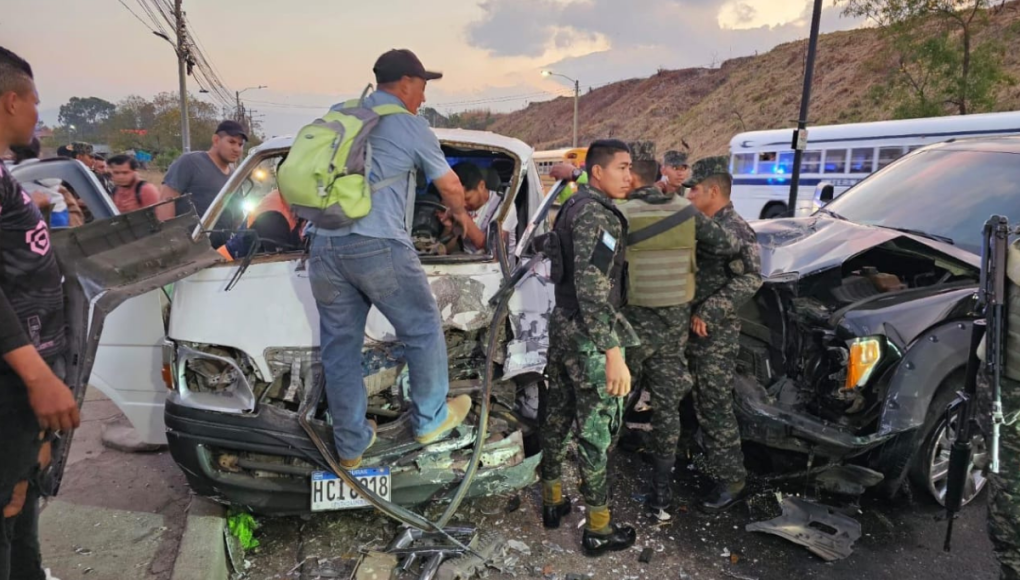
(1004, 505)
(81, 148)
(675, 159)
(722, 286)
(658, 363)
(576, 393)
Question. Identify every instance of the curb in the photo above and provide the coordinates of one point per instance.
(202, 554)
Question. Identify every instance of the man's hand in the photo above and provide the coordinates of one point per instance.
(617, 373)
(41, 200)
(662, 185)
(446, 218)
(563, 171)
(699, 327)
(17, 500)
(53, 403)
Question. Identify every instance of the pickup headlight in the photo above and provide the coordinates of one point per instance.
(212, 380)
(865, 356)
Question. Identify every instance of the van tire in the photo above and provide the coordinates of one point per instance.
(774, 210)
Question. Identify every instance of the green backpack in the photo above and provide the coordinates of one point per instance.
(325, 176)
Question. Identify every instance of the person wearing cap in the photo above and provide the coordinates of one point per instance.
(675, 171)
(204, 173)
(83, 152)
(373, 262)
(665, 231)
(99, 165)
(723, 285)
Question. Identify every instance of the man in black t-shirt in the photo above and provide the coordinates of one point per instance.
(34, 401)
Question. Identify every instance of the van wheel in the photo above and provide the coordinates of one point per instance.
(774, 210)
(930, 468)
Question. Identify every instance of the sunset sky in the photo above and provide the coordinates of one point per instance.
(312, 53)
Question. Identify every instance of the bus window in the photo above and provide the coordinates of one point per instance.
(766, 162)
(887, 155)
(785, 164)
(811, 162)
(743, 163)
(862, 160)
(835, 161)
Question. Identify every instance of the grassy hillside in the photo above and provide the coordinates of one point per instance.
(706, 107)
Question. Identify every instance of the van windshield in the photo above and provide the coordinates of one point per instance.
(943, 193)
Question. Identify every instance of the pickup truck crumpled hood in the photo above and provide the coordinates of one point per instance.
(798, 247)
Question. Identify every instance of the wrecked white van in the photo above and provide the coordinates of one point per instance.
(242, 357)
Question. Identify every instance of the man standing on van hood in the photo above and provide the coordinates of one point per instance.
(373, 262)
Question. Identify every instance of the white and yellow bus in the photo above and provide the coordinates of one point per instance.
(546, 159)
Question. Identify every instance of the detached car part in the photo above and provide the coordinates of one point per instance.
(819, 528)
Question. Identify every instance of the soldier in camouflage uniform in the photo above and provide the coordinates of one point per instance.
(675, 171)
(83, 152)
(587, 372)
(723, 285)
(1004, 505)
(661, 312)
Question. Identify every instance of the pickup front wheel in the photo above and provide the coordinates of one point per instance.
(930, 468)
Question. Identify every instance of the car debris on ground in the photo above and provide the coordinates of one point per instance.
(820, 528)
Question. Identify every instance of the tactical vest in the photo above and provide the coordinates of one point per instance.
(660, 252)
(565, 292)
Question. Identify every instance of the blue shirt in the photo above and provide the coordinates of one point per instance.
(399, 143)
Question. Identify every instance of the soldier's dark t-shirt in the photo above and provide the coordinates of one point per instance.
(31, 290)
(196, 173)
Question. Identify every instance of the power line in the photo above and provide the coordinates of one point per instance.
(139, 18)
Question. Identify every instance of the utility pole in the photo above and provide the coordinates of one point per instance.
(800, 135)
(182, 73)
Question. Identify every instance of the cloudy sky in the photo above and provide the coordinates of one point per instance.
(312, 53)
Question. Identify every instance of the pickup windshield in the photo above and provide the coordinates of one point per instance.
(942, 193)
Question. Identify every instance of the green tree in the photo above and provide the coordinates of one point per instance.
(86, 115)
(941, 65)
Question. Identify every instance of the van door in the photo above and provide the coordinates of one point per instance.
(104, 264)
(128, 362)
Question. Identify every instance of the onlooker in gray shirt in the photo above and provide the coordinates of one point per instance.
(204, 173)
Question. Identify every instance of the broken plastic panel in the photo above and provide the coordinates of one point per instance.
(825, 532)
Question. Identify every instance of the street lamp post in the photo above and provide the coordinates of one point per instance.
(237, 95)
(577, 96)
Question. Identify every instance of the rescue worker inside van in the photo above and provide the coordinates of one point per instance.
(277, 227)
(469, 234)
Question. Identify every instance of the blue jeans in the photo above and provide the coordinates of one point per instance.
(349, 274)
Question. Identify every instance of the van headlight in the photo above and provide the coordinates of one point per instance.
(210, 378)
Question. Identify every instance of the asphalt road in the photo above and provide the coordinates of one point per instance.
(900, 540)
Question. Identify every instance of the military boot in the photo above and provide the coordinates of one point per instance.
(555, 505)
(723, 496)
(662, 492)
(601, 536)
(552, 514)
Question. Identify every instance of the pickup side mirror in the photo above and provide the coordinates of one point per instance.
(824, 192)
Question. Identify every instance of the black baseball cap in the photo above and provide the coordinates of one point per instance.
(232, 128)
(396, 64)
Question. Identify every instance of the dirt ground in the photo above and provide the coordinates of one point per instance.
(901, 540)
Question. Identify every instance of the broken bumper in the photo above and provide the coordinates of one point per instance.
(264, 461)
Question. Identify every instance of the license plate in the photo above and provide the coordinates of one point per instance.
(329, 492)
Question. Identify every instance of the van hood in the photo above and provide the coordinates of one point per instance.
(798, 247)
